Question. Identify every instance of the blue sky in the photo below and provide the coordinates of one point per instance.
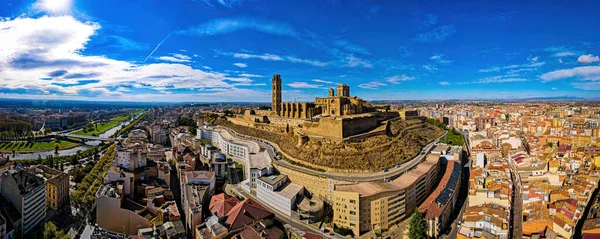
(227, 50)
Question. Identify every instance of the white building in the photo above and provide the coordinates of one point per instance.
(278, 193)
(480, 161)
(132, 157)
(27, 193)
(256, 158)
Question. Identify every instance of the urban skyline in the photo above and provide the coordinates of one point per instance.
(227, 51)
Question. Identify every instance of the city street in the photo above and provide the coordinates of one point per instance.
(517, 208)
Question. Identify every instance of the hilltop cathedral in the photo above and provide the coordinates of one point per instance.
(341, 104)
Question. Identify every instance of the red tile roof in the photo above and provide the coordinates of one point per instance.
(221, 205)
(245, 213)
(309, 235)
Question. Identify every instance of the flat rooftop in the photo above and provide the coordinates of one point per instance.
(273, 179)
(289, 190)
(406, 180)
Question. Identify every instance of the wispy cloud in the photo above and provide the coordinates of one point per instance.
(323, 81)
(589, 58)
(249, 75)
(373, 85)
(225, 3)
(230, 25)
(504, 16)
(303, 85)
(240, 65)
(348, 46)
(444, 83)
(430, 20)
(563, 54)
(436, 35)
(495, 79)
(306, 61)
(127, 44)
(160, 43)
(439, 58)
(353, 61)
(266, 57)
(176, 57)
(399, 78)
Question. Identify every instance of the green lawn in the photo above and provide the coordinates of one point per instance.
(453, 138)
(23, 146)
(105, 126)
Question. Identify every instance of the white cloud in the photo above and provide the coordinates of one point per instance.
(240, 65)
(172, 59)
(175, 57)
(399, 78)
(249, 75)
(305, 61)
(323, 81)
(587, 73)
(439, 58)
(444, 83)
(240, 79)
(373, 85)
(563, 54)
(350, 47)
(589, 58)
(51, 48)
(554, 88)
(493, 69)
(353, 61)
(266, 57)
(303, 85)
(533, 59)
(230, 25)
(274, 57)
(495, 79)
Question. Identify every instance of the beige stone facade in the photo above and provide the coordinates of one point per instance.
(369, 206)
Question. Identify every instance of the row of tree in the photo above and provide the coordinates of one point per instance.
(83, 197)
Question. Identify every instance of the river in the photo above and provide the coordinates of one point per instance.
(71, 151)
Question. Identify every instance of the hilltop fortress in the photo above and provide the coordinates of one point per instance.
(338, 117)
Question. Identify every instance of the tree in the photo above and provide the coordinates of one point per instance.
(51, 232)
(418, 226)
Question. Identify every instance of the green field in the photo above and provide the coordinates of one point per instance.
(23, 146)
(453, 138)
(105, 126)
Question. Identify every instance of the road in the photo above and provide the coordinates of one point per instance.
(517, 208)
(272, 148)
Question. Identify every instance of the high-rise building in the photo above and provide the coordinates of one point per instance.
(276, 93)
(27, 193)
(57, 185)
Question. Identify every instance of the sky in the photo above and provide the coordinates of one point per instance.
(228, 50)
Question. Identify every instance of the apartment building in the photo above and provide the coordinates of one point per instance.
(27, 193)
(115, 213)
(438, 206)
(278, 192)
(57, 185)
(368, 206)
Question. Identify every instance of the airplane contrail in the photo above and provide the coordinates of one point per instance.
(161, 42)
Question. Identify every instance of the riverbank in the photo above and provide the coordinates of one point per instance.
(26, 147)
(102, 127)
